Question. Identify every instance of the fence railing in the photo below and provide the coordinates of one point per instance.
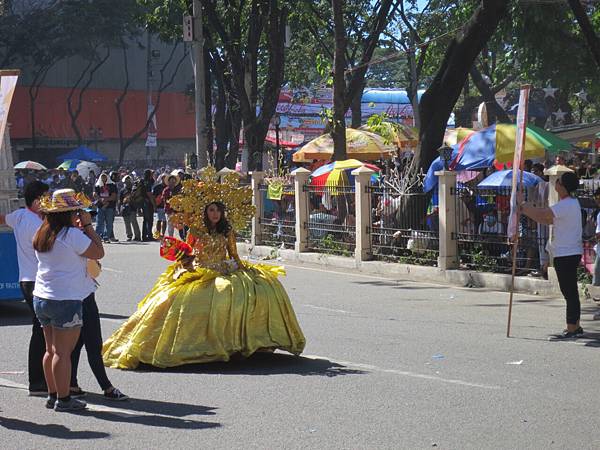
(405, 227)
(482, 232)
(331, 220)
(278, 218)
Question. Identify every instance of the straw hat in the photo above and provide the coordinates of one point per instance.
(63, 200)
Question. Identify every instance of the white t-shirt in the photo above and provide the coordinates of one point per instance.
(25, 223)
(62, 273)
(597, 230)
(567, 230)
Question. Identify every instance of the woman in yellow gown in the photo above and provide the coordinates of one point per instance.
(208, 307)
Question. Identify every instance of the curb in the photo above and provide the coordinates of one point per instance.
(463, 278)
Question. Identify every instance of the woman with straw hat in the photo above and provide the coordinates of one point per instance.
(63, 244)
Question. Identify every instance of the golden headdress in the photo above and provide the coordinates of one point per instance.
(197, 195)
(63, 200)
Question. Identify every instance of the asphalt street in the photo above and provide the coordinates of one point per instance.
(389, 364)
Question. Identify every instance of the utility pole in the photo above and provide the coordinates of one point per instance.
(199, 87)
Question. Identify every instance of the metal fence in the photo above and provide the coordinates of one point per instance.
(331, 223)
(481, 231)
(405, 227)
(278, 217)
(589, 214)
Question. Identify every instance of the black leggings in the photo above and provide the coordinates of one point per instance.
(566, 271)
(91, 336)
(37, 343)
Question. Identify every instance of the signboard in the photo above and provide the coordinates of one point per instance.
(152, 135)
(513, 220)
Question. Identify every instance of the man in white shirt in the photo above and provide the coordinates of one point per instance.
(25, 223)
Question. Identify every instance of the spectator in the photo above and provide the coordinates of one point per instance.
(129, 210)
(565, 247)
(173, 188)
(105, 196)
(148, 206)
(25, 223)
(161, 219)
(63, 243)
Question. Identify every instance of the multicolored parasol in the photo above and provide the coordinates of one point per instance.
(29, 165)
(338, 173)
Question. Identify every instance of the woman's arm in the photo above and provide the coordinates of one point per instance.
(232, 248)
(95, 250)
(544, 216)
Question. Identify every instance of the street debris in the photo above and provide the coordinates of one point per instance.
(438, 356)
(515, 363)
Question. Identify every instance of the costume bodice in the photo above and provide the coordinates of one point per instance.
(214, 251)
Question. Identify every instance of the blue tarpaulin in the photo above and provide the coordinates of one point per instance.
(9, 269)
(84, 154)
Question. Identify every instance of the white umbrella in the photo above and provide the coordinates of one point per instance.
(30, 165)
(85, 167)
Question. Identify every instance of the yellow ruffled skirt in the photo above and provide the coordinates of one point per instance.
(202, 316)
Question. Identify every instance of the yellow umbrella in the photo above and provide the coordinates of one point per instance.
(401, 135)
(360, 144)
(455, 135)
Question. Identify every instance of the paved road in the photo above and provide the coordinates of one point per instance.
(389, 364)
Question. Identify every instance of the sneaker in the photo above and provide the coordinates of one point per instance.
(77, 392)
(50, 402)
(69, 405)
(116, 394)
(113, 240)
(38, 392)
(566, 335)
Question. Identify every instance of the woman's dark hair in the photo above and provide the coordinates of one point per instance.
(570, 181)
(222, 226)
(53, 224)
(34, 190)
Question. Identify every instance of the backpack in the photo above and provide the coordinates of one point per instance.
(138, 196)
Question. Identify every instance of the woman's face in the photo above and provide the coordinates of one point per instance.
(74, 219)
(104, 178)
(213, 214)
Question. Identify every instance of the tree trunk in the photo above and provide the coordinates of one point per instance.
(357, 108)
(119, 102)
(587, 29)
(439, 99)
(338, 125)
(495, 112)
(222, 124)
(208, 103)
(255, 135)
(235, 120)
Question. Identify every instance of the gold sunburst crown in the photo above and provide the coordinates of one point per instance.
(197, 195)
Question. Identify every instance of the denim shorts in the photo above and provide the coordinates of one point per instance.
(64, 314)
(160, 214)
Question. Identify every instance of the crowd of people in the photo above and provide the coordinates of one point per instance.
(121, 192)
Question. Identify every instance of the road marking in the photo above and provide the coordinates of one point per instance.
(327, 309)
(405, 373)
(108, 269)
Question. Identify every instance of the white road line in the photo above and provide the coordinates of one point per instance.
(405, 373)
(327, 309)
(108, 269)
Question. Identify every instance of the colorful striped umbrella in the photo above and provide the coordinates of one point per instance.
(338, 173)
(69, 164)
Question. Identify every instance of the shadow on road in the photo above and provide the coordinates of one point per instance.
(14, 314)
(393, 284)
(264, 364)
(153, 406)
(113, 316)
(149, 420)
(49, 430)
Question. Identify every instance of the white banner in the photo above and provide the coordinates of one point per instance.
(8, 82)
(513, 220)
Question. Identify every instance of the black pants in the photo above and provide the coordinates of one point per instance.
(148, 213)
(91, 337)
(37, 343)
(566, 271)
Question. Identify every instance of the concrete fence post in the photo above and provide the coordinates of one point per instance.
(301, 197)
(257, 200)
(362, 180)
(448, 257)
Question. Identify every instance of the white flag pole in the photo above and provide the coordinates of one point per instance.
(514, 219)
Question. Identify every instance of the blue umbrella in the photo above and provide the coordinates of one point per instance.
(503, 178)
